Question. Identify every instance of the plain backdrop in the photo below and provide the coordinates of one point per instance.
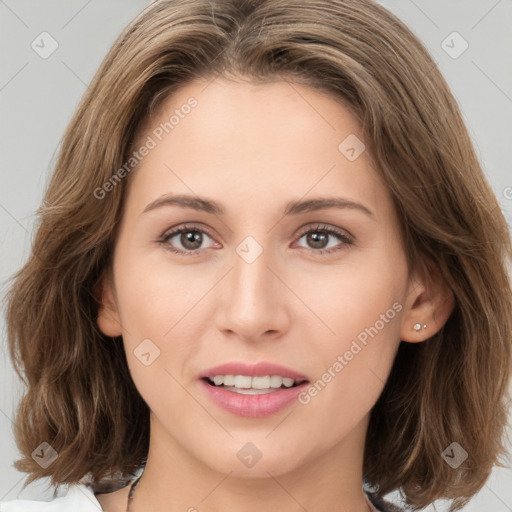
(470, 40)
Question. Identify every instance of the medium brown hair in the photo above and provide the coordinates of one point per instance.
(80, 397)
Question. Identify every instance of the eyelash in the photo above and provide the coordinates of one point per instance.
(319, 228)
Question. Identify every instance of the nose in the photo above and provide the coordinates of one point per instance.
(253, 301)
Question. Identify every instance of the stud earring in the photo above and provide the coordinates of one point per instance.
(417, 326)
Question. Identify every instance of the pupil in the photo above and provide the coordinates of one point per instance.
(191, 239)
(317, 240)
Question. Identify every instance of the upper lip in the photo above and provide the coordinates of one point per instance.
(260, 369)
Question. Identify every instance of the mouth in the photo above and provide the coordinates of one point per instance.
(252, 390)
(247, 385)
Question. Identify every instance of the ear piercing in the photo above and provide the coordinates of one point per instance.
(417, 326)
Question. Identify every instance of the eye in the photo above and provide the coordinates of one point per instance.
(318, 239)
(188, 239)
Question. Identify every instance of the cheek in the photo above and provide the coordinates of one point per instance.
(360, 305)
(162, 314)
(352, 296)
(151, 293)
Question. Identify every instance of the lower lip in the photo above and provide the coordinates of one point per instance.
(253, 406)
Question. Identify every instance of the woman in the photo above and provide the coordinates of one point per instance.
(269, 273)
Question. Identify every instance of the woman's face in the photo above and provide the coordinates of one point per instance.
(290, 255)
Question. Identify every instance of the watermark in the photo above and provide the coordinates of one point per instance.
(44, 455)
(351, 147)
(249, 249)
(355, 347)
(454, 455)
(249, 454)
(454, 45)
(507, 193)
(150, 143)
(44, 45)
(146, 352)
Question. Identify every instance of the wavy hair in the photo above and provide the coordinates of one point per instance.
(80, 397)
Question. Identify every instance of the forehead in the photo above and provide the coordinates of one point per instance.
(246, 110)
(271, 139)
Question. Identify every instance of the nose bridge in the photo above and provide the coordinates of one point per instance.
(252, 280)
(253, 303)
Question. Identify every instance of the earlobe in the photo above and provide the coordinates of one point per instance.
(108, 316)
(431, 303)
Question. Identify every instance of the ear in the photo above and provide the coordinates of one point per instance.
(430, 303)
(108, 316)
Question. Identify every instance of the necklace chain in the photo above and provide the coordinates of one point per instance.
(134, 486)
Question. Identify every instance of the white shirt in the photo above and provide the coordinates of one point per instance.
(78, 498)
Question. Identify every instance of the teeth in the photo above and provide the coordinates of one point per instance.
(227, 380)
(250, 391)
(275, 381)
(218, 380)
(241, 381)
(255, 383)
(261, 382)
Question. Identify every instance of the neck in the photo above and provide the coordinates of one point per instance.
(327, 480)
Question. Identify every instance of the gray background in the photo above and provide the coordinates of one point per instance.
(38, 97)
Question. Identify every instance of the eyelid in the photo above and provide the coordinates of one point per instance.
(302, 230)
(184, 227)
(319, 226)
(180, 228)
(345, 237)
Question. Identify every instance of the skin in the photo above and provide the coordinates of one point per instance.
(253, 148)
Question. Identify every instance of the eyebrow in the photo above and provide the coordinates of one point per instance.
(291, 208)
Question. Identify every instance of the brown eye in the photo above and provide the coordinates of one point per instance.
(191, 240)
(185, 240)
(319, 238)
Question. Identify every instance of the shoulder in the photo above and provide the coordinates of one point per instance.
(77, 497)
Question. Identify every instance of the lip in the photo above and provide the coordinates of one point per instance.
(260, 369)
(253, 406)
